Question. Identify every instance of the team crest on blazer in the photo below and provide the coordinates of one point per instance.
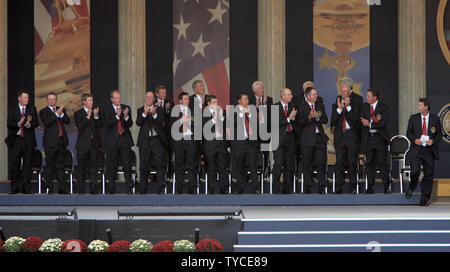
(319, 113)
(379, 117)
(29, 118)
(444, 118)
(433, 130)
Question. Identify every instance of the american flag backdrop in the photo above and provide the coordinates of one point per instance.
(201, 47)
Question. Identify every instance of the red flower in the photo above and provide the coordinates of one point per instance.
(74, 245)
(209, 245)
(32, 244)
(119, 246)
(163, 246)
(1, 245)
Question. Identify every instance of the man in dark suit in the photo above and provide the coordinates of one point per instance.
(152, 143)
(198, 98)
(284, 154)
(344, 122)
(244, 144)
(88, 123)
(214, 146)
(312, 117)
(263, 104)
(55, 142)
(424, 131)
(375, 139)
(299, 99)
(166, 106)
(186, 148)
(118, 120)
(21, 141)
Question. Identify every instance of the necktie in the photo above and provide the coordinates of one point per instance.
(424, 127)
(184, 125)
(372, 113)
(344, 121)
(247, 125)
(150, 123)
(288, 128)
(119, 124)
(59, 124)
(21, 129)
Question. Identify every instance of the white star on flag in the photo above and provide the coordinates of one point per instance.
(217, 13)
(199, 46)
(182, 27)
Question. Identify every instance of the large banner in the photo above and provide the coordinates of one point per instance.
(201, 47)
(62, 55)
(341, 30)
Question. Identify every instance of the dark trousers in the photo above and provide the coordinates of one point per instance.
(215, 154)
(376, 155)
(120, 152)
(20, 175)
(284, 158)
(346, 152)
(154, 156)
(87, 164)
(242, 152)
(54, 166)
(186, 161)
(315, 156)
(425, 159)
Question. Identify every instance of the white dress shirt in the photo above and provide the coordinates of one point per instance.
(287, 118)
(426, 120)
(218, 135)
(371, 121)
(87, 112)
(339, 111)
(22, 108)
(241, 115)
(118, 118)
(153, 132)
(185, 110)
(318, 118)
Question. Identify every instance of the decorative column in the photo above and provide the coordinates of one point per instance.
(271, 46)
(3, 87)
(132, 57)
(411, 58)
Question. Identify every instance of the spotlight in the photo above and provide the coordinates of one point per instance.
(197, 235)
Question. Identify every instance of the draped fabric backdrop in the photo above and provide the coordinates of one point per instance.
(62, 52)
(201, 46)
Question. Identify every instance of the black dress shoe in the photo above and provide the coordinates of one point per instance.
(408, 193)
(370, 191)
(424, 203)
(322, 190)
(352, 189)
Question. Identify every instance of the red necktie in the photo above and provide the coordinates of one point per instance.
(288, 128)
(372, 113)
(424, 127)
(119, 125)
(247, 125)
(344, 120)
(21, 129)
(59, 124)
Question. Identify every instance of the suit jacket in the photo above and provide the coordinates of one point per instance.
(283, 122)
(269, 103)
(208, 144)
(308, 127)
(300, 98)
(158, 124)
(111, 126)
(382, 110)
(88, 130)
(235, 138)
(194, 102)
(352, 118)
(356, 99)
(51, 129)
(176, 121)
(14, 116)
(414, 132)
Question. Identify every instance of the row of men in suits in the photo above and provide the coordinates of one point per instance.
(302, 138)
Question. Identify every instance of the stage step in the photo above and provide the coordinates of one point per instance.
(344, 234)
(342, 224)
